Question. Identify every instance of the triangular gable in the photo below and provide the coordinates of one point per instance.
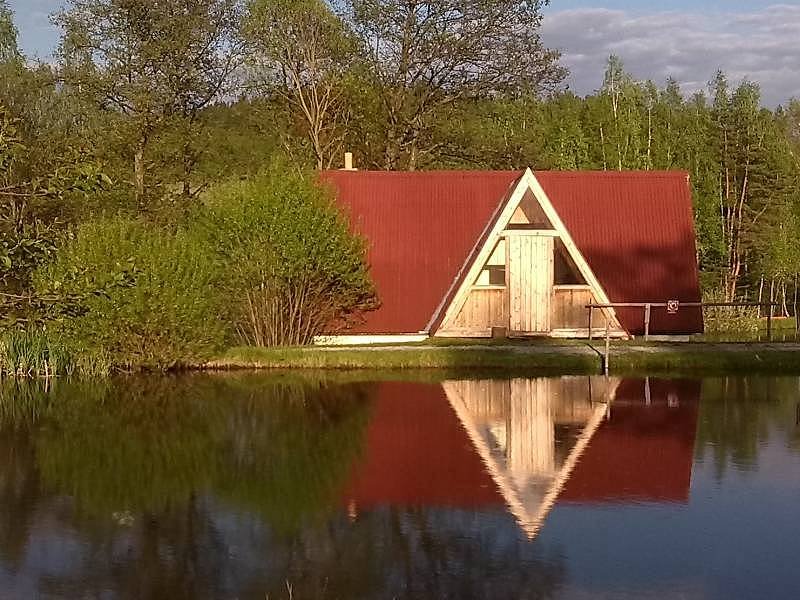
(528, 189)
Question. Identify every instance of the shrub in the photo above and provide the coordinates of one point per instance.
(291, 264)
(160, 315)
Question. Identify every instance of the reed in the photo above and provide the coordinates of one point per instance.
(32, 354)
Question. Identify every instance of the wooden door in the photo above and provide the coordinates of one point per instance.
(530, 283)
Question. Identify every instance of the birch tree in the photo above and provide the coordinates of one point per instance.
(303, 52)
(152, 61)
(424, 56)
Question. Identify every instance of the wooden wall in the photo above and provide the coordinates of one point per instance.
(569, 308)
(483, 310)
(487, 308)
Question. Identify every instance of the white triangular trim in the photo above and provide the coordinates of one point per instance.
(528, 181)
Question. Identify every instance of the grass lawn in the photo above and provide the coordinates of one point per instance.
(526, 358)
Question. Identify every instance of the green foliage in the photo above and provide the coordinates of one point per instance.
(291, 266)
(8, 34)
(738, 323)
(156, 63)
(33, 354)
(304, 53)
(32, 206)
(155, 310)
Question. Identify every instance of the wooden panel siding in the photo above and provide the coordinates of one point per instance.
(569, 307)
(530, 283)
(483, 310)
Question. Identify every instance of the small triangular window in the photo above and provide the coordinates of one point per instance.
(529, 215)
(565, 270)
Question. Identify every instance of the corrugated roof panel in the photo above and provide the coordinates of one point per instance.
(420, 228)
(636, 231)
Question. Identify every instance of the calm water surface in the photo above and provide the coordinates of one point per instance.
(258, 486)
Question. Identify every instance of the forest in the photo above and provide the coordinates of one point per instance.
(158, 124)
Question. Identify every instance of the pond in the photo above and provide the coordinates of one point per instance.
(315, 486)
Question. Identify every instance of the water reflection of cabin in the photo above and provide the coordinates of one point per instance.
(463, 254)
(525, 445)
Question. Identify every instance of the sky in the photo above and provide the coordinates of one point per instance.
(689, 40)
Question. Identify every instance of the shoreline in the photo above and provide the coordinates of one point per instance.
(577, 358)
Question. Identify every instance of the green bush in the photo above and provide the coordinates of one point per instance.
(161, 314)
(291, 266)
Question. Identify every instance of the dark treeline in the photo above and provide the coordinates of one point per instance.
(149, 105)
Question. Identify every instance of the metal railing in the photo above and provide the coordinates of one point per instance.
(675, 306)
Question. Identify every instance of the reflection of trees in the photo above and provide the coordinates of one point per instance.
(738, 415)
(415, 552)
(290, 448)
(138, 470)
(194, 487)
(141, 446)
(148, 444)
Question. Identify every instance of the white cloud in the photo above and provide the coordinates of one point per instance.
(761, 46)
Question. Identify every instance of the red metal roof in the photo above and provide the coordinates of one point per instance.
(635, 230)
(420, 228)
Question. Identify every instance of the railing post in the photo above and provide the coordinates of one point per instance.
(608, 347)
(647, 322)
(591, 310)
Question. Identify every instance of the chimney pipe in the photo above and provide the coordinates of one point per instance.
(348, 161)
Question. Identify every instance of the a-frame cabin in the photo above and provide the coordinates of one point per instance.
(472, 254)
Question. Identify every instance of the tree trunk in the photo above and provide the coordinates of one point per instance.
(187, 169)
(392, 151)
(771, 295)
(796, 321)
(784, 305)
(138, 171)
